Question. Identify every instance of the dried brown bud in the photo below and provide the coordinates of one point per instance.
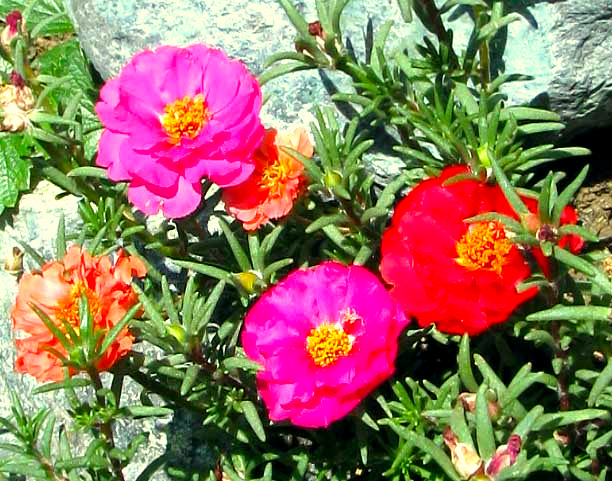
(466, 460)
(15, 105)
(13, 264)
(468, 399)
(546, 232)
(316, 29)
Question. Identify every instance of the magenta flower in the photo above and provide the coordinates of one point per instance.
(326, 337)
(173, 116)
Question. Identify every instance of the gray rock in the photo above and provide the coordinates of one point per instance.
(565, 45)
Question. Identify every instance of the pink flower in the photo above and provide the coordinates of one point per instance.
(174, 116)
(326, 337)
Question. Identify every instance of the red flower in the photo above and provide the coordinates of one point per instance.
(461, 277)
(56, 290)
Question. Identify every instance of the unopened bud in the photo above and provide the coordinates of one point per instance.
(483, 155)
(331, 179)
(504, 456)
(14, 25)
(248, 280)
(16, 79)
(176, 331)
(531, 222)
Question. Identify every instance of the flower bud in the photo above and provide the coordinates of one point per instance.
(177, 332)
(331, 179)
(14, 25)
(483, 155)
(504, 456)
(248, 280)
(531, 222)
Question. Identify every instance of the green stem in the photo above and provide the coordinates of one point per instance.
(105, 428)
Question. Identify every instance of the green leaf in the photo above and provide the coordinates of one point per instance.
(567, 195)
(279, 70)
(583, 266)
(60, 240)
(209, 271)
(325, 220)
(338, 238)
(509, 191)
(540, 127)
(405, 7)
(602, 382)
(465, 365)
(295, 17)
(561, 312)
(148, 411)
(189, 380)
(14, 171)
(94, 172)
(110, 337)
(250, 413)
(427, 446)
(555, 420)
(239, 253)
(484, 429)
(528, 113)
(241, 363)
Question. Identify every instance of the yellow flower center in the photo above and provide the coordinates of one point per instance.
(185, 118)
(326, 343)
(484, 246)
(275, 175)
(68, 309)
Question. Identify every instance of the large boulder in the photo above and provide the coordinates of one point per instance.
(565, 45)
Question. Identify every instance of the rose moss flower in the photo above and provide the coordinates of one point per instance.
(269, 193)
(325, 336)
(174, 116)
(461, 277)
(56, 290)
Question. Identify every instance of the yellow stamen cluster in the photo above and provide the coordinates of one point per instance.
(275, 175)
(68, 309)
(326, 343)
(184, 118)
(484, 246)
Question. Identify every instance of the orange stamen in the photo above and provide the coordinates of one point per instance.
(484, 246)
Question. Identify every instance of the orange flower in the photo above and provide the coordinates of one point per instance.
(274, 185)
(56, 290)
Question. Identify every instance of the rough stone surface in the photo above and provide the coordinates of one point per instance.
(564, 44)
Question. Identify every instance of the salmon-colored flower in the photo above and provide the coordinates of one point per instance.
(278, 178)
(56, 290)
